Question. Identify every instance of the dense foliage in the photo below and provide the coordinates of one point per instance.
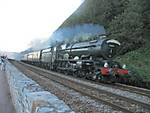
(139, 62)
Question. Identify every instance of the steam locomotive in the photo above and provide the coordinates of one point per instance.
(88, 59)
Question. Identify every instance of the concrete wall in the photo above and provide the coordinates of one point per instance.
(29, 97)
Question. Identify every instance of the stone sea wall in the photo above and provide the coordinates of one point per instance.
(29, 97)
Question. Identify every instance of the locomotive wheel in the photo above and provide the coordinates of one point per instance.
(109, 79)
(75, 74)
(112, 79)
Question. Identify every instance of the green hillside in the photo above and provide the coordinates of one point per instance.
(138, 62)
(125, 20)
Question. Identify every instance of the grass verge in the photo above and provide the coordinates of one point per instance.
(138, 62)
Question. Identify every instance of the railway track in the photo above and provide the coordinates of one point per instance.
(118, 102)
(133, 89)
(137, 90)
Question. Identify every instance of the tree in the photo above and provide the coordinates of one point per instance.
(128, 26)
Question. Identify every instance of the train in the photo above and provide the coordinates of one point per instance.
(92, 59)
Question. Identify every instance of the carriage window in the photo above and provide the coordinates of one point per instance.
(54, 48)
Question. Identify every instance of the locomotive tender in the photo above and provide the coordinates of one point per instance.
(88, 59)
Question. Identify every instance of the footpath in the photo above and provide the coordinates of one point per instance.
(6, 105)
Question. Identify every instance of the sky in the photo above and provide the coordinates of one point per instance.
(23, 21)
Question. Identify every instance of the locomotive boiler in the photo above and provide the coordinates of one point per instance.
(89, 59)
(96, 49)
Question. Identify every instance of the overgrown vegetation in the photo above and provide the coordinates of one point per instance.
(129, 26)
(138, 62)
